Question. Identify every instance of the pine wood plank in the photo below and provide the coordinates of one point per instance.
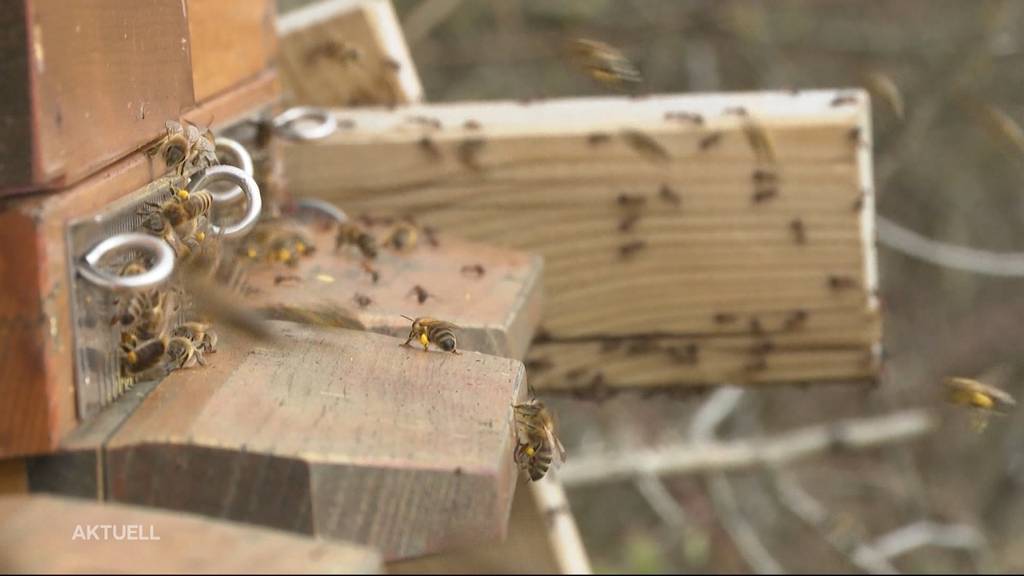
(661, 226)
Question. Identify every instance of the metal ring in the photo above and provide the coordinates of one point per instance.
(322, 206)
(249, 187)
(160, 272)
(244, 162)
(285, 123)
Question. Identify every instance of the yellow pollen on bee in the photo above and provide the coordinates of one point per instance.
(283, 254)
(251, 253)
(981, 400)
(133, 357)
(200, 236)
(423, 339)
(300, 247)
(182, 194)
(530, 451)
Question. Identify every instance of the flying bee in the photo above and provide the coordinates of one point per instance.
(183, 353)
(403, 237)
(537, 445)
(428, 330)
(603, 63)
(199, 333)
(142, 357)
(981, 398)
(353, 234)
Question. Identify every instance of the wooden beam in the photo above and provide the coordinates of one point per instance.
(37, 368)
(231, 40)
(333, 433)
(346, 53)
(676, 252)
(497, 307)
(46, 534)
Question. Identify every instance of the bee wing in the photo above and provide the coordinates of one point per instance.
(559, 449)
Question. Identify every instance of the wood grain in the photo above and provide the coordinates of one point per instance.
(664, 265)
(497, 312)
(116, 66)
(36, 362)
(231, 41)
(334, 433)
(316, 69)
(38, 535)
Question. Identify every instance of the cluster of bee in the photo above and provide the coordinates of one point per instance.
(276, 240)
(181, 219)
(149, 345)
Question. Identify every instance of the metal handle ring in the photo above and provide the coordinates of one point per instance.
(285, 123)
(323, 207)
(243, 161)
(249, 187)
(160, 272)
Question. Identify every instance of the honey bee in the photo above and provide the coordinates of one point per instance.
(473, 270)
(420, 292)
(373, 272)
(403, 237)
(199, 333)
(628, 249)
(796, 226)
(537, 445)
(142, 357)
(362, 300)
(352, 234)
(760, 142)
(145, 315)
(603, 63)
(981, 398)
(468, 152)
(185, 147)
(645, 145)
(183, 353)
(669, 195)
(428, 330)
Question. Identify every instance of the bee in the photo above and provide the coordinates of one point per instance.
(145, 315)
(351, 233)
(762, 176)
(843, 100)
(426, 121)
(981, 398)
(884, 88)
(173, 211)
(428, 330)
(429, 147)
(197, 203)
(710, 141)
(627, 222)
(795, 319)
(598, 138)
(199, 333)
(603, 63)
(762, 195)
(669, 195)
(473, 270)
(142, 357)
(472, 125)
(185, 147)
(362, 300)
(630, 200)
(724, 318)
(282, 278)
(760, 142)
(841, 282)
(402, 238)
(183, 353)
(468, 152)
(645, 145)
(691, 117)
(373, 272)
(421, 293)
(796, 226)
(630, 248)
(537, 445)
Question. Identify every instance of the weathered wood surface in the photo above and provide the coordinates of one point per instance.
(36, 361)
(86, 83)
(333, 433)
(44, 534)
(498, 311)
(525, 551)
(346, 53)
(672, 254)
(231, 42)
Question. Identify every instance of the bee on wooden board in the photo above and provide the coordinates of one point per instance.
(645, 145)
(603, 63)
(420, 292)
(403, 237)
(183, 353)
(760, 141)
(468, 152)
(144, 356)
(432, 331)
(199, 333)
(981, 398)
(369, 269)
(350, 233)
(473, 270)
(186, 148)
(669, 195)
(362, 300)
(629, 249)
(537, 445)
(684, 116)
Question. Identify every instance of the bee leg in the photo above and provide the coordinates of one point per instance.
(456, 352)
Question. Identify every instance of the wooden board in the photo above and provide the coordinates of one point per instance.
(36, 362)
(87, 82)
(333, 433)
(497, 312)
(699, 279)
(47, 534)
(346, 53)
(231, 40)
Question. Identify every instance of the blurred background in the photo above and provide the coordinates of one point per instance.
(950, 501)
